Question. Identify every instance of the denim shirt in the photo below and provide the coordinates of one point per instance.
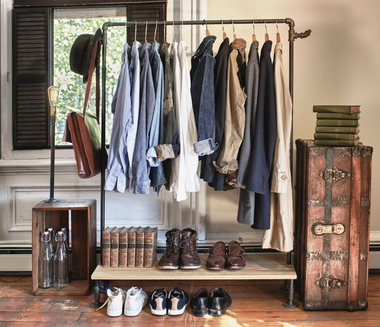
(155, 134)
(118, 164)
(140, 168)
(134, 72)
(203, 96)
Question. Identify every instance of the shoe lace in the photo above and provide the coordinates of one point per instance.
(186, 245)
(170, 245)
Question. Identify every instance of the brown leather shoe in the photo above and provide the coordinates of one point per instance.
(189, 258)
(170, 259)
(217, 257)
(235, 256)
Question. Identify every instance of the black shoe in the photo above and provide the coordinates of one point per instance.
(178, 300)
(220, 301)
(200, 303)
(157, 302)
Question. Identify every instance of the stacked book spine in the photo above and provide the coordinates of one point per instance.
(129, 246)
(337, 125)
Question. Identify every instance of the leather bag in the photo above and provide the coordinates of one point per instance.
(83, 129)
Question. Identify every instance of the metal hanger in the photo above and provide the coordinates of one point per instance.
(135, 31)
(207, 31)
(155, 32)
(164, 31)
(146, 31)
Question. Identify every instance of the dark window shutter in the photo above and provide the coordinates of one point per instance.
(147, 12)
(31, 77)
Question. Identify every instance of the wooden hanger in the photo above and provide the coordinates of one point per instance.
(266, 31)
(254, 33)
(224, 33)
(233, 27)
(207, 31)
(278, 38)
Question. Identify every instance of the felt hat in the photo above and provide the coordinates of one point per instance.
(81, 53)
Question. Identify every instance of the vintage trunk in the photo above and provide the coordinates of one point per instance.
(333, 192)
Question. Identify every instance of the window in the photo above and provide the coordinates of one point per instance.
(37, 63)
(68, 24)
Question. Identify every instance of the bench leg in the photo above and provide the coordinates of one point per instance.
(96, 304)
(291, 304)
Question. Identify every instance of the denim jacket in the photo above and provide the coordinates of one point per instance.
(203, 96)
(118, 164)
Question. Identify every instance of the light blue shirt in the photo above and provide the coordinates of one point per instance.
(118, 164)
(140, 168)
(156, 129)
(134, 72)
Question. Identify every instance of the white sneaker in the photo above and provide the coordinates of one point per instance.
(135, 300)
(115, 302)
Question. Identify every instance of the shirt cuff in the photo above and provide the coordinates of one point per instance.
(151, 157)
(226, 168)
(165, 151)
(205, 147)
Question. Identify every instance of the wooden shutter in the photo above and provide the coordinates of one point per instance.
(148, 12)
(31, 77)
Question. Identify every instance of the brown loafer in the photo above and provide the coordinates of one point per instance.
(217, 257)
(235, 256)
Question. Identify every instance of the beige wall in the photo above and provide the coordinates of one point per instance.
(338, 64)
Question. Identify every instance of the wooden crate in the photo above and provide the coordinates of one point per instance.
(83, 244)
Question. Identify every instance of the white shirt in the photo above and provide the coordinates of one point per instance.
(187, 179)
(280, 235)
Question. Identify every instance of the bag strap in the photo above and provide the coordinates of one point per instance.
(88, 88)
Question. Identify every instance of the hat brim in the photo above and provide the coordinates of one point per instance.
(91, 46)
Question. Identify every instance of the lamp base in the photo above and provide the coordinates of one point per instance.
(51, 200)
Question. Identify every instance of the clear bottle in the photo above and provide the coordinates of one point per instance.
(45, 262)
(61, 262)
(64, 229)
(52, 247)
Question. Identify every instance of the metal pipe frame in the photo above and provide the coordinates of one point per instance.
(292, 36)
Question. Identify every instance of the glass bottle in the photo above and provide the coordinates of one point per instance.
(64, 229)
(52, 238)
(61, 262)
(45, 262)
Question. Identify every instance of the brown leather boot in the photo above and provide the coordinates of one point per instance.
(170, 259)
(189, 258)
(217, 257)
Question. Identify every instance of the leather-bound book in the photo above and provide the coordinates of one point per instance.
(106, 246)
(115, 247)
(150, 246)
(123, 247)
(140, 247)
(132, 247)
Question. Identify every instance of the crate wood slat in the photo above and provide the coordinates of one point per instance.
(259, 266)
(83, 241)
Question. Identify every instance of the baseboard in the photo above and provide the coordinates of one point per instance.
(18, 261)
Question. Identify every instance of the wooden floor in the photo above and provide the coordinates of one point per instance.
(254, 303)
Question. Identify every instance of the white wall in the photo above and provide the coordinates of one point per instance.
(337, 64)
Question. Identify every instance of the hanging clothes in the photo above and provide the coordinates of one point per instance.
(280, 234)
(208, 172)
(140, 168)
(118, 165)
(203, 96)
(247, 198)
(134, 72)
(155, 133)
(187, 131)
(261, 160)
(235, 112)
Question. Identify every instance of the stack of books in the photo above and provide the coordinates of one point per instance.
(129, 246)
(337, 125)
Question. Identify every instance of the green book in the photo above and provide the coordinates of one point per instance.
(334, 115)
(336, 142)
(338, 122)
(334, 129)
(338, 109)
(335, 136)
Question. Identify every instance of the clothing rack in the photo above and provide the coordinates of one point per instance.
(292, 36)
